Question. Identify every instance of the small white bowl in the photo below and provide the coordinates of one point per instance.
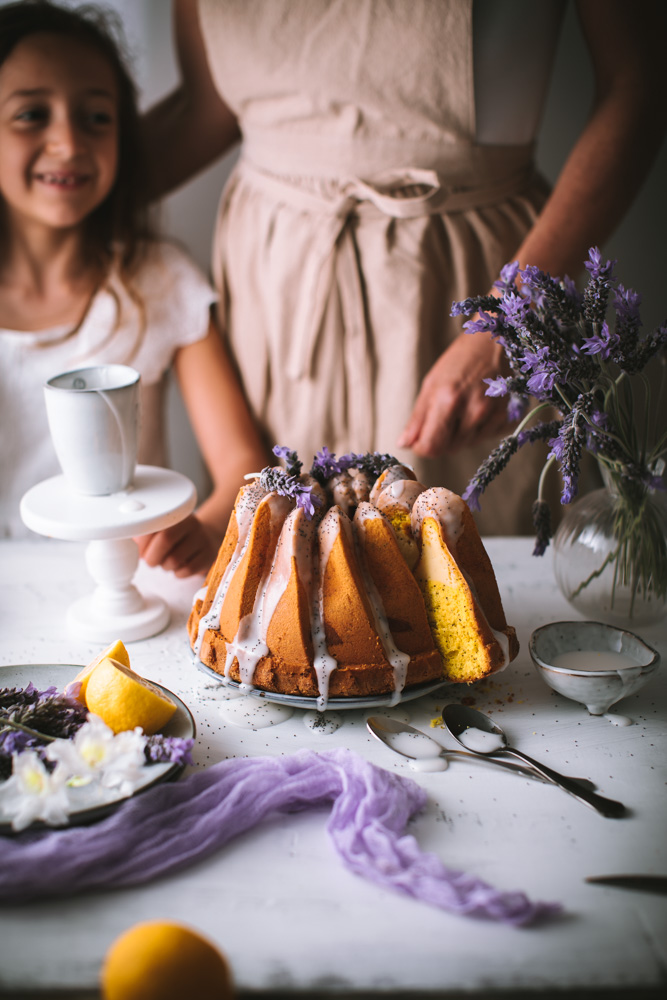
(597, 689)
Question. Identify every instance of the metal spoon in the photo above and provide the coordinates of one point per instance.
(478, 733)
(421, 746)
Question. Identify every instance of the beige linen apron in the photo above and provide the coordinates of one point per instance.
(360, 209)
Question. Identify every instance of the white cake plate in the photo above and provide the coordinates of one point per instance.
(157, 499)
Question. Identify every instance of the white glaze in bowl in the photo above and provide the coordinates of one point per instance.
(597, 689)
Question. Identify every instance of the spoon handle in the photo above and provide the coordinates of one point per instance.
(608, 807)
(509, 765)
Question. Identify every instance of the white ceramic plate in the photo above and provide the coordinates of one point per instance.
(333, 704)
(94, 803)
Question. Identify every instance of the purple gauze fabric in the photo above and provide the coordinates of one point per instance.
(172, 826)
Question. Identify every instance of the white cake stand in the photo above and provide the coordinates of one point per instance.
(157, 499)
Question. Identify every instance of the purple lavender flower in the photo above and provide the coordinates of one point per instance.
(654, 482)
(626, 304)
(487, 323)
(650, 347)
(596, 436)
(488, 470)
(596, 268)
(572, 293)
(473, 492)
(278, 481)
(516, 407)
(535, 360)
(515, 307)
(325, 465)
(292, 463)
(596, 293)
(568, 445)
(556, 299)
(507, 280)
(476, 303)
(557, 445)
(628, 325)
(373, 463)
(161, 749)
(546, 431)
(542, 382)
(496, 386)
(46, 712)
(602, 343)
(541, 513)
(308, 501)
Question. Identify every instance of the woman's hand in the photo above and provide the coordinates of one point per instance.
(185, 549)
(452, 410)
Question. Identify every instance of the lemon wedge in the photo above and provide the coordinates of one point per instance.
(124, 700)
(77, 687)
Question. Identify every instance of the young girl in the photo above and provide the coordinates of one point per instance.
(82, 281)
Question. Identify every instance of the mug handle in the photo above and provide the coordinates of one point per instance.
(127, 460)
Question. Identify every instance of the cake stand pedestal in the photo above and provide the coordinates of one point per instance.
(115, 609)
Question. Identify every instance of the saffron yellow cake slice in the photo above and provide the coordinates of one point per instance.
(448, 574)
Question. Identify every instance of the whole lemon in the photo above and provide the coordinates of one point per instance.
(124, 700)
(160, 960)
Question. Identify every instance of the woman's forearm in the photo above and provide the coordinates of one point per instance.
(178, 145)
(615, 151)
(191, 127)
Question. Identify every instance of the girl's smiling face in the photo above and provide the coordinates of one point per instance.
(58, 131)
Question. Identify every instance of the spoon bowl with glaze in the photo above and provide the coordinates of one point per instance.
(426, 753)
(480, 735)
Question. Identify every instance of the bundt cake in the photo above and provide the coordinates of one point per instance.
(351, 581)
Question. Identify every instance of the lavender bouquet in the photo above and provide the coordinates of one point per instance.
(579, 360)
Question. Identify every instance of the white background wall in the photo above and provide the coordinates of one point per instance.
(638, 243)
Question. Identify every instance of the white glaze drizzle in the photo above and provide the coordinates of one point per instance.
(323, 662)
(481, 741)
(245, 509)
(251, 712)
(398, 660)
(395, 473)
(396, 501)
(322, 723)
(399, 495)
(249, 644)
(446, 507)
(618, 720)
(503, 641)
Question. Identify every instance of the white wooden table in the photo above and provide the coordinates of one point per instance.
(278, 902)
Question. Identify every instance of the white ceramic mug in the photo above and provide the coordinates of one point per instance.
(93, 416)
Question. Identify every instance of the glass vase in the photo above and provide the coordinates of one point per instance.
(610, 557)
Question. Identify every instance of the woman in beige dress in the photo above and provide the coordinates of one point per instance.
(387, 170)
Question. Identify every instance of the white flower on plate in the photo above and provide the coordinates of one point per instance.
(96, 754)
(32, 793)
